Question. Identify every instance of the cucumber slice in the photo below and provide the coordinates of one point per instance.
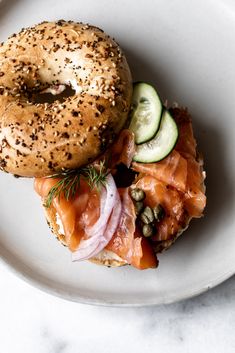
(146, 112)
(161, 144)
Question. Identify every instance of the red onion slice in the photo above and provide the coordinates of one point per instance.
(106, 206)
(95, 243)
(114, 219)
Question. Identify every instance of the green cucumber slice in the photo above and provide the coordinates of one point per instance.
(146, 112)
(161, 144)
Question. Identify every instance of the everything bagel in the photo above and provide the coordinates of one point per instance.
(38, 139)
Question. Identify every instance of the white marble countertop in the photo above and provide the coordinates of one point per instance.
(35, 322)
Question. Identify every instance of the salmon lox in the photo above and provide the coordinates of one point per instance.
(176, 182)
(76, 214)
(127, 242)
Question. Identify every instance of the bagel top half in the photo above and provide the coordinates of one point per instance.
(39, 139)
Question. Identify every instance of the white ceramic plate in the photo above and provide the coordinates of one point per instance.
(185, 48)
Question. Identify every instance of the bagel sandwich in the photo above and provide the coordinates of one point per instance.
(118, 173)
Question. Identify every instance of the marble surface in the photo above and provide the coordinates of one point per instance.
(35, 322)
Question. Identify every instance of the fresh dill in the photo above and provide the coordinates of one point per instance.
(69, 181)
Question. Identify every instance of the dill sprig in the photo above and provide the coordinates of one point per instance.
(69, 181)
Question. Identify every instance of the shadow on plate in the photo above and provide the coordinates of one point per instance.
(6, 6)
(142, 71)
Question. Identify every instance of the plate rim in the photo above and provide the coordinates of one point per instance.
(39, 283)
(62, 294)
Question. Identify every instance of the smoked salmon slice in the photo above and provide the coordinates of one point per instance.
(172, 170)
(75, 214)
(186, 142)
(195, 199)
(121, 151)
(170, 199)
(127, 242)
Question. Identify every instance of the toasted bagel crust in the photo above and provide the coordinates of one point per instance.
(40, 139)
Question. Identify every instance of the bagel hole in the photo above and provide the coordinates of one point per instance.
(46, 96)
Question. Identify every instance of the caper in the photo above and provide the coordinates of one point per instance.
(158, 212)
(137, 194)
(138, 207)
(148, 230)
(144, 218)
(147, 215)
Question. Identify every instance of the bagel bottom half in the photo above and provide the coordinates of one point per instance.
(105, 257)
